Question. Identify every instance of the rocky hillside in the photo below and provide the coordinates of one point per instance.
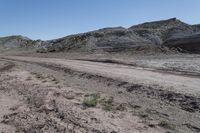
(170, 33)
(109, 39)
(15, 42)
(159, 31)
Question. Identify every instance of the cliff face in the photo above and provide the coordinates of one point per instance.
(169, 33)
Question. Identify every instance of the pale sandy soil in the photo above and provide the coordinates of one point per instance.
(6, 102)
(49, 95)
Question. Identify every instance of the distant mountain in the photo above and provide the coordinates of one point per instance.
(171, 33)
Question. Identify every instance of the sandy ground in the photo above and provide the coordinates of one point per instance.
(55, 95)
(138, 75)
(6, 102)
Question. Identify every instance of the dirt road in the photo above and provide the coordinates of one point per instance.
(59, 95)
(138, 75)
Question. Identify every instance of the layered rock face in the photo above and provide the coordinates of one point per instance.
(170, 33)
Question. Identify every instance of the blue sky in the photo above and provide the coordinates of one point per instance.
(49, 19)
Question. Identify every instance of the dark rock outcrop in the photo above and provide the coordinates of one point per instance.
(187, 43)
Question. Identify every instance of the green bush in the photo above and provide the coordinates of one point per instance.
(92, 101)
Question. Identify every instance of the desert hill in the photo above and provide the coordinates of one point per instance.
(171, 33)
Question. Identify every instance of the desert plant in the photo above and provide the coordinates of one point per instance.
(107, 104)
(91, 101)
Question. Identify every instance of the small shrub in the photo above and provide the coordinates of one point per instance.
(92, 101)
(108, 107)
(107, 104)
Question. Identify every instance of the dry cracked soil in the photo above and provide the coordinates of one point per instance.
(146, 95)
